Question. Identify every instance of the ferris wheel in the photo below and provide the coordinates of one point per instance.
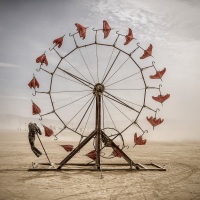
(99, 90)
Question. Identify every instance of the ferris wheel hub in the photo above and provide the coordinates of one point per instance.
(98, 89)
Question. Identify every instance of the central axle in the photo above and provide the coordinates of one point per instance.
(98, 89)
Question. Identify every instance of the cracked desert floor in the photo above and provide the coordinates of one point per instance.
(181, 180)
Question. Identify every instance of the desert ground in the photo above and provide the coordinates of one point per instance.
(181, 180)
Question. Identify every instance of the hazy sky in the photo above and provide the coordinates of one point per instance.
(27, 28)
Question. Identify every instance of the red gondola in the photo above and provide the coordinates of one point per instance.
(58, 41)
(67, 147)
(147, 52)
(48, 132)
(129, 37)
(161, 98)
(42, 59)
(158, 74)
(35, 109)
(82, 30)
(138, 140)
(116, 153)
(106, 29)
(92, 154)
(154, 122)
(34, 83)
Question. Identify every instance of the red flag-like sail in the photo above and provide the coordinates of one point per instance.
(48, 132)
(67, 147)
(82, 30)
(161, 98)
(158, 74)
(35, 109)
(116, 153)
(139, 140)
(34, 83)
(42, 59)
(129, 37)
(106, 29)
(147, 52)
(92, 154)
(58, 41)
(154, 122)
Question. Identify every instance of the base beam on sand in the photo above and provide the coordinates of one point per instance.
(104, 167)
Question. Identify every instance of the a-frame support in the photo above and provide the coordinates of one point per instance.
(99, 135)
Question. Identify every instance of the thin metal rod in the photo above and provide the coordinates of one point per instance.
(97, 64)
(108, 62)
(103, 112)
(86, 65)
(88, 118)
(111, 67)
(114, 98)
(76, 69)
(43, 149)
(109, 115)
(129, 101)
(123, 79)
(68, 79)
(128, 89)
(117, 70)
(73, 101)
(84, 82)
(119, 110)
(85, 114)
(71, 91)
(79, 112)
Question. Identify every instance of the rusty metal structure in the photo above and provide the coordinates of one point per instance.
(98, 89)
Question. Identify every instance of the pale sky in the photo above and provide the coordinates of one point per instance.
(27, 28)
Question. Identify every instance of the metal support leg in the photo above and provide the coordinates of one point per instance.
(98, 129)
(131, 163)
(77, 149)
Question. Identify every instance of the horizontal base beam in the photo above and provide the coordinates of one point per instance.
(140, 167)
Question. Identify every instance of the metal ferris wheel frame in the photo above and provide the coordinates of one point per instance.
(99, 92)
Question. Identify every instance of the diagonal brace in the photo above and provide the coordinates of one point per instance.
(77, 149)
(113, 145)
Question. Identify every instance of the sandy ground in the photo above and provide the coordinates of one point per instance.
(180, 181)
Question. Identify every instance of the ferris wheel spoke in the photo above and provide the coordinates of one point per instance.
(85, 114)
(111, 66)
(119, 110)
(123, 79)
(88, 118)
(109, 114)
(76, 69)
(86, 65)
(97, 64)
(139, 127)
(130, 102)
(123, 89)
(70, 91)
(79, 111)
(114, 98)
(117, 70)
(46, 71)
(73, 101)
(68, 79)
(108, 62)
(103, 112)
(84, 82)
(118, 101)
